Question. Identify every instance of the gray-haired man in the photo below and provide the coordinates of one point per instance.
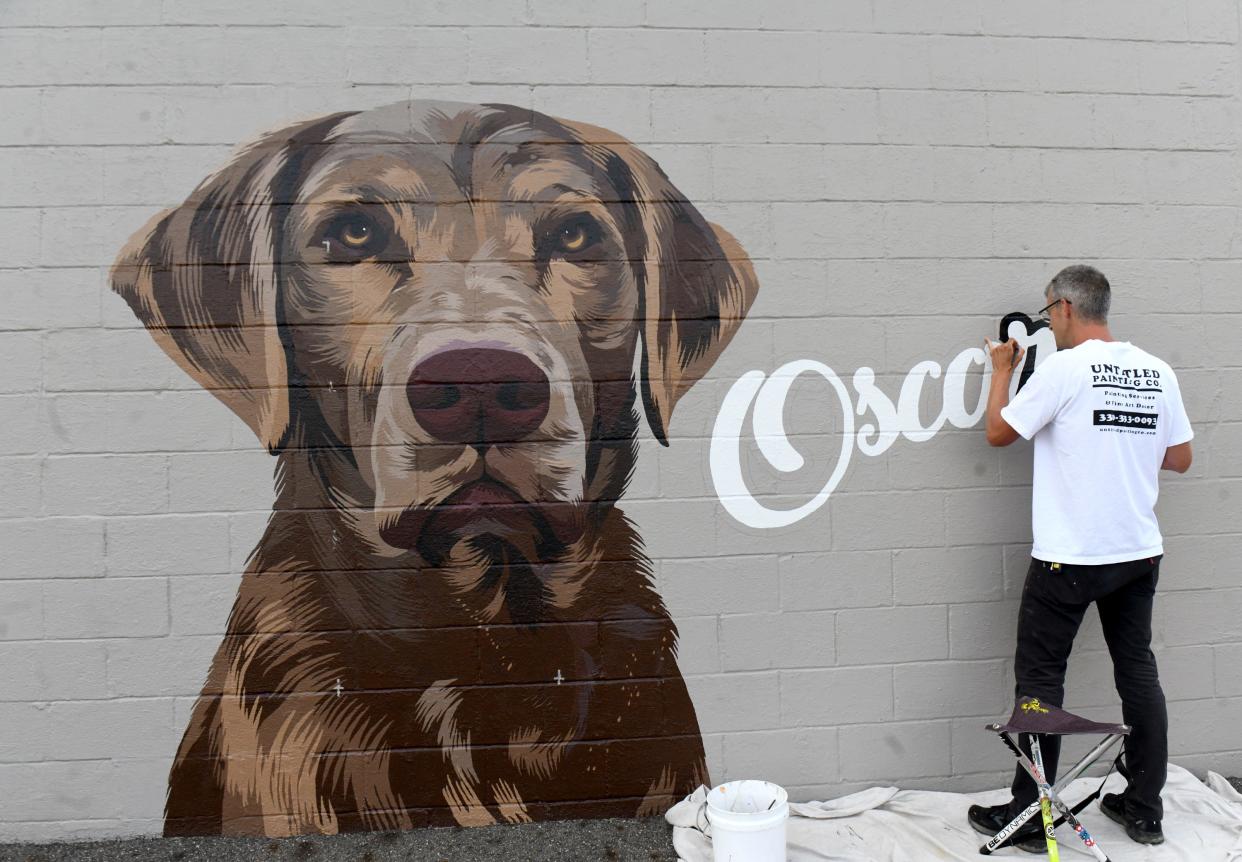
(1105, 417)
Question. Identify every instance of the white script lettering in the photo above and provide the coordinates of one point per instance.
(767, 396)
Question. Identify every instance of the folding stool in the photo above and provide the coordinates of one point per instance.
(1031, 717)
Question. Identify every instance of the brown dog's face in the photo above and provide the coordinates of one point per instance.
(454, 294)
(471, 343)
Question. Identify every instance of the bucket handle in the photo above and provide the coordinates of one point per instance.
(703, 813)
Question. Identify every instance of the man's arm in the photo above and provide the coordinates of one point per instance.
(1177, 458)
(1005, 358)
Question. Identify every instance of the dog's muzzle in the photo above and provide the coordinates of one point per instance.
(537, 530)
(482, 397)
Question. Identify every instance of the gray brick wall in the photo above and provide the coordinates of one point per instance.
(901, 175)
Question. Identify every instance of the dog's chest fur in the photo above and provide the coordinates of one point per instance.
(356, 699)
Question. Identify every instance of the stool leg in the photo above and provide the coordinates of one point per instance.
(1082, 766)
(1045, 804)
(1079, 829)
(1049, 796)
(1013, 826)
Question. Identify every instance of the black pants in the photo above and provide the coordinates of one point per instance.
(1053, 604)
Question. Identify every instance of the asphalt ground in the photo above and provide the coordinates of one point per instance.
(647, 840)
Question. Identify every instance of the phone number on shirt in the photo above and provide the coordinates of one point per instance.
(1123, 418)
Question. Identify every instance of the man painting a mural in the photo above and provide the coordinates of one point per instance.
(538, 431)
(1105, 418)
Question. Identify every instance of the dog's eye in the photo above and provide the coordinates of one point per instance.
(352, 237)
(577, 235)
(356, 234)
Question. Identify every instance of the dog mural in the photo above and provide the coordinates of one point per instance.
(431, 314)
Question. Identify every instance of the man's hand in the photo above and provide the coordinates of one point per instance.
(1005, 358)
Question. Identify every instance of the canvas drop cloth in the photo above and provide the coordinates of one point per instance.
(1203, 823)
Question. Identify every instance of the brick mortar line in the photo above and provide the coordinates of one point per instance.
(939, 203)
(539, 26)
(53, 86)
(711, 145)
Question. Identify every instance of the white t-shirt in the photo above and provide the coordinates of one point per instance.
(1102, 415)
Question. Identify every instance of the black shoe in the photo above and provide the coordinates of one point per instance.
(1142, 831)
(990, 820)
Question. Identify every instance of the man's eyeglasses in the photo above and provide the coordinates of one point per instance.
(1043, 313)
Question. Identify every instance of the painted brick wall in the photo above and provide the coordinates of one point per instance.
(901, 175)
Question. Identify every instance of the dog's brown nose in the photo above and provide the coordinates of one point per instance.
(478, 395)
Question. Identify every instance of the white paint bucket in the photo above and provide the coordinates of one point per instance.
(748, 821)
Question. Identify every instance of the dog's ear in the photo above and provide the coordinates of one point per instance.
(695, 281)
(203, 277)
(698, 286)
